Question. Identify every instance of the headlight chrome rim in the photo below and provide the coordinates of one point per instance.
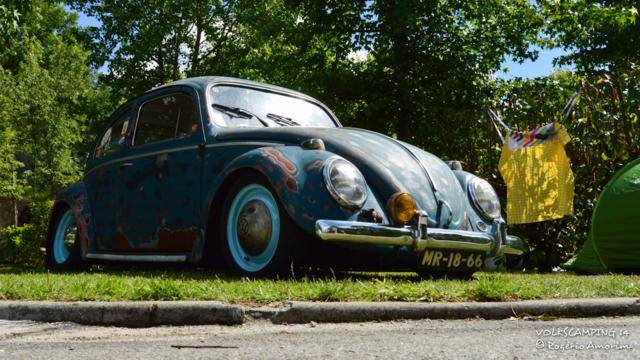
(334, 192)
(472, 186)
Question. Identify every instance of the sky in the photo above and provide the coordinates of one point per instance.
(529, 69)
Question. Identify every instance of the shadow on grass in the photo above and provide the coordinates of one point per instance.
(184, 272)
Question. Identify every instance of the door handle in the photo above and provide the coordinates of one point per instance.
(125, 165)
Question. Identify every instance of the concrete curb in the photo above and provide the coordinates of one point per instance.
(126, 314)
(302, 312)
(154, 313)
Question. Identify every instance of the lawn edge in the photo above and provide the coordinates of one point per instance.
(178, 313)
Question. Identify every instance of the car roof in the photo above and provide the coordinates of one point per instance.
(201, 82)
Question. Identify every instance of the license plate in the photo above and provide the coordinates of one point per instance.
(445, 259)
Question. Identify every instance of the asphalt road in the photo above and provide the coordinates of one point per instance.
(601, 338)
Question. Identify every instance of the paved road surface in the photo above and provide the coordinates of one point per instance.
(601, 338)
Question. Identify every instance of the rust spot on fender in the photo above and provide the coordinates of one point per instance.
(276, 157)
(292, 183)
(310, 166)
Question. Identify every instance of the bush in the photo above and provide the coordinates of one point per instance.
(22, 244)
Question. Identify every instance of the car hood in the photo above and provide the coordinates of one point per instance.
(389, 166)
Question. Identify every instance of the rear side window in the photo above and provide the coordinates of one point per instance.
(168, 117)
(115, 138)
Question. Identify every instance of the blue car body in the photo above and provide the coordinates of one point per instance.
(159, 201)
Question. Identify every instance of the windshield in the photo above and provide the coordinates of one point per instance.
(235, 106)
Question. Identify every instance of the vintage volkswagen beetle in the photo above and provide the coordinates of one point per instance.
(253, 177)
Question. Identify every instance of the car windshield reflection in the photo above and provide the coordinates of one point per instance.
(276, 109)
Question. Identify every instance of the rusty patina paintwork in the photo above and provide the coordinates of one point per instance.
(158, 198)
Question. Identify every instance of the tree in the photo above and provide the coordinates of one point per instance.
(431, 66)
(11, 187)
(150, 43)
(600, 35)
(425, 62)
(46, 91)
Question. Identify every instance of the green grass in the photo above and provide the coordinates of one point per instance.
(110, 285)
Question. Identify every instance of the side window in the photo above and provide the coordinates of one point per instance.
(115, 138)
(171, 116)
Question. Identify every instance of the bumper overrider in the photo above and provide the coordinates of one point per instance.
(419, 236)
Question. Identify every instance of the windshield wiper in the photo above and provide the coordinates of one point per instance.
(236, 112)
(282, 120)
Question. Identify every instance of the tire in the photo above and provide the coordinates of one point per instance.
(515, 262)
(255, 233)
(63, 250)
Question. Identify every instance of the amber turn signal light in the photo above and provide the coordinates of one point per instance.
(401, 207)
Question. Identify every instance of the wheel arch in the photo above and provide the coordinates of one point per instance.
(214, 213)
(295, 177)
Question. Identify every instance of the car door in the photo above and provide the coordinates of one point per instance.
(161, 178)
(102, 179)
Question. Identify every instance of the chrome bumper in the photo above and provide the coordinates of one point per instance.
(418, 237)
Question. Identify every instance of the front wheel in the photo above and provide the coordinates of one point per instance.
(63, 248)
(255, 233)
(515, 262)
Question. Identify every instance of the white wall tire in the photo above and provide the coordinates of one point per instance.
(254, 230)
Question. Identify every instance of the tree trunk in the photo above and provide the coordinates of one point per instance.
(14, 200)
(397, 18)
(195, 57)
(14, 203)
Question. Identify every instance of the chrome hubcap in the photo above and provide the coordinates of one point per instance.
(254, 227)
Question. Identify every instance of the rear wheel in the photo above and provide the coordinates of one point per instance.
(63, 247)
(255, 232)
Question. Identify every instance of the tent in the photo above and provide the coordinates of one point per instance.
(614, 240)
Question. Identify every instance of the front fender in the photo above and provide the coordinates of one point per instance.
(295, 174)
(77, 199)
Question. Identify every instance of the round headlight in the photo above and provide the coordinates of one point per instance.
(484, 198)
(345, 183)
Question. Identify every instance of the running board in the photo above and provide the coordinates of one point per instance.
(137, 257)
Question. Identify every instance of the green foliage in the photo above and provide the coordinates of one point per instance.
(22, 244)
(47, 97)
(599, 34)
(431, 67)
(11, 187)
